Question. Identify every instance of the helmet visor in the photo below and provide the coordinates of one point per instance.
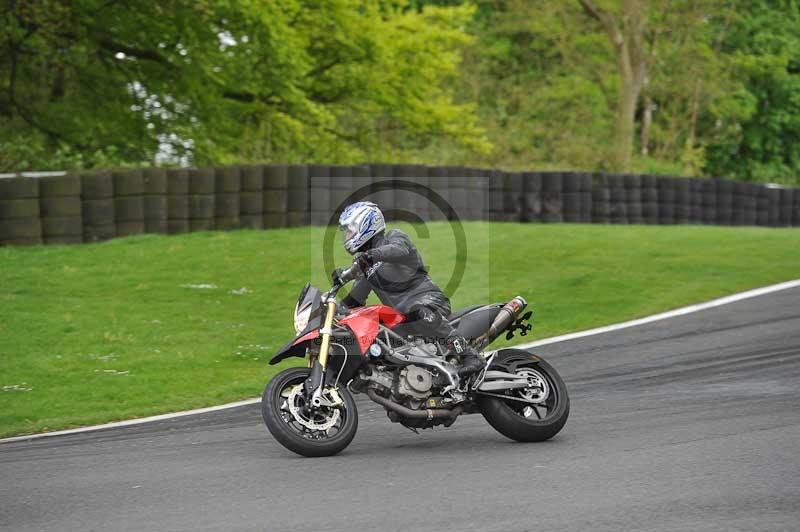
(348, 231)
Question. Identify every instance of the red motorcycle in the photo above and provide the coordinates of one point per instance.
(373, 350)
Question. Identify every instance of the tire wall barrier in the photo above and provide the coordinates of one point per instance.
(20, 215)
(129, 202)
(60, 209)
(97, 205)
(156, 202)
(251, 197)
(227, 196)
(177, 201)
(202, 184)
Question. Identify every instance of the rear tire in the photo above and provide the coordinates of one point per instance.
(284, 427)
(507, 416)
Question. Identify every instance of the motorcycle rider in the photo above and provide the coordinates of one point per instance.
(393, 268)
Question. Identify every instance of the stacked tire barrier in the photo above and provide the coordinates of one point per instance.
(202, 203)
(383, 193)
(551, 197)
(571, 198)
(683, 197)
(227, 190)
(321, 187)
(297, 199)
(785, 210)
(633, 198)
(60, 209)
(618, 199)
(251, 198)
(438, 193)
(516, 206)
(156, 203)
(129, 202)
(601, 200)
(458, 192)
(649, 195)
(20, 218)
(93, 206)
(98, 206)
(411, 192)
(709, 201)
(666, 200)
(696, 201)
(725, 202)
(177, 201)
(796, 209)
(277, 188)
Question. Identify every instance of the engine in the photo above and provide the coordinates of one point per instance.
(409, 382)
(412, 386)
(414, 382)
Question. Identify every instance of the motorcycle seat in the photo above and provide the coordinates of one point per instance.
(461, 312)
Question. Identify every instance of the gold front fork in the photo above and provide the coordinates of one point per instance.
(327, 332)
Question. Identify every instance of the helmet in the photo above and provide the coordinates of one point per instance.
(360, 222)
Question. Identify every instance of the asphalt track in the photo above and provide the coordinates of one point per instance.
(691, 423)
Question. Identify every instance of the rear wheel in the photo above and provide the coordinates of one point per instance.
(535, 413)
(308, 431)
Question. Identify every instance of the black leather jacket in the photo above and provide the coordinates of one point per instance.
(398, 277)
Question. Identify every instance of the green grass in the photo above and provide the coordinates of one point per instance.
(104, 332)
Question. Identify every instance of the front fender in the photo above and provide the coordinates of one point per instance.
(296, 347)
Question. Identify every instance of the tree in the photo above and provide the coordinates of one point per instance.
(553, 87)
(763, 47)
(88, 82)
(626, 31)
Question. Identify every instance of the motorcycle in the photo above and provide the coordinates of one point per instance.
(373, 350)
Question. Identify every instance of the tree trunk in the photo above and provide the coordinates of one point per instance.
(628, 41)
(626, 117)
(647, 119)
(693, 116)
(691, 164)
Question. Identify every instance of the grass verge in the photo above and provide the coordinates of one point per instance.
(146, 325)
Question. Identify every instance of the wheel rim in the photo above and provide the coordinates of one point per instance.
(321, 423)
(538, 390)
(540, 398)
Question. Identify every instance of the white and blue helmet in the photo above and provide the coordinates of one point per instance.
(359, 222)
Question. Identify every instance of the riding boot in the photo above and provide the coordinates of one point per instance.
(470, 363)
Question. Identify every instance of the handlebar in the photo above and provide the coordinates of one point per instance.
(349, 274)
(342, 277)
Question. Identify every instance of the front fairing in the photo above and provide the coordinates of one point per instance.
(310, 298)
(296, 346)
(310, 301)
(364, 322)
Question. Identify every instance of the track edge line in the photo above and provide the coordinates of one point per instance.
(682, 311)
(552, 340)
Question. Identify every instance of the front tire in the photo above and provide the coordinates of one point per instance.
(525, 421)
(320, 432)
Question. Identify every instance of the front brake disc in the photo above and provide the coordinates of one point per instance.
(310, 423)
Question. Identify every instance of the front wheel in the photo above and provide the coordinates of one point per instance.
(536, 413)
(308, 431)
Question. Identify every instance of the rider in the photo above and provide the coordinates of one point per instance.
(393, 268)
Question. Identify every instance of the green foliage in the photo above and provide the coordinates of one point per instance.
(508, 83)
(722, 79)
(86, 83)
(764, 46)
(540, 76)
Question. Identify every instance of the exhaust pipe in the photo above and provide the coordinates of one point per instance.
(430, 413)
(504, 319)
